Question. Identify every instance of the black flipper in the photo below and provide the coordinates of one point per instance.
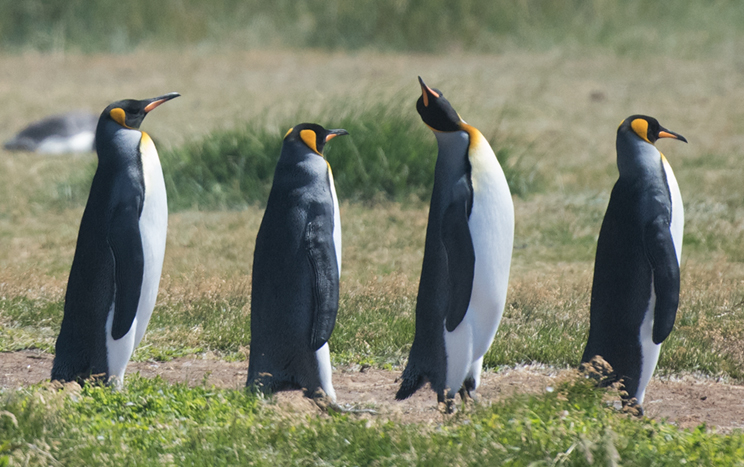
(129, 263)
(460, 252)
(321, 254)
(659, 248)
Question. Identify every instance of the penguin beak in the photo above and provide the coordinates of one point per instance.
(426, 91)
(156, 101)
(333, 133)
(664, 133)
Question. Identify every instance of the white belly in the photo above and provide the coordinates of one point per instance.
(492, 231)
(336, 222)
(678, 210)
(153, 228)
(323, 354)
(649, 350)
(491, 227)
(153, 224)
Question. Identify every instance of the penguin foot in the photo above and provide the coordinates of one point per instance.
(632, 407)
(598, 370)
(446, 405)
(326, 404)
(114, 382)
(467, 391)
(465, 394)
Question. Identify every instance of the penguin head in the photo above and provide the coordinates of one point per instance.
(129, 113)
(313, 136)
(647, 128)
(436, 111)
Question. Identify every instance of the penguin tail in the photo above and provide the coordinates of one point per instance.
(411, 382)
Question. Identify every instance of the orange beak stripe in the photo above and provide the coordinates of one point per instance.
(425, 95)
(664, 134)
(152, 105)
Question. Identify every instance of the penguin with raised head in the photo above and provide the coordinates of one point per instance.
(296, 269)
(116, 269)
(467, 255)
(635, 291)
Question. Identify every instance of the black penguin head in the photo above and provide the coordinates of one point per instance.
(129, 113)
(647, 128)
(435, 110)
(313, 136)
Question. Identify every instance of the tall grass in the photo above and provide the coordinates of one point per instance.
(389, 155)
(632, 26)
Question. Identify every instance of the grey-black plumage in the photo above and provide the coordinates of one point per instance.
(635, 290)
(115, 259)
(296, 268)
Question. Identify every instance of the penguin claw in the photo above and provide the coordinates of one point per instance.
(632, 407)
(447, 407)
(327, 404)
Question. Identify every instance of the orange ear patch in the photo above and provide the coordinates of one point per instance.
(119, 116)
(310, 139)
(640, 127)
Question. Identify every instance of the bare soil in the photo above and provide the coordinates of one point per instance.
(687, 401)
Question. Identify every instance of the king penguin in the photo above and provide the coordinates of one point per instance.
(467, 255)
(116, 269)
(296, 269)
(635, 291)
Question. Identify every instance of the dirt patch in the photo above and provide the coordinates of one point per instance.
(686, 401)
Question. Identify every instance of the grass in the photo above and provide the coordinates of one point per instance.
(152, 422)
(554, 113)
(633, 27)
(389, 155)
(546, 321)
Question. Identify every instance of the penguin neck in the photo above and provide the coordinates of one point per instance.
(116, 145)
(637, 158)
(296, 151)
(452, 142)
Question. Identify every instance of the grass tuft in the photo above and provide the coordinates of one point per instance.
(389, 155)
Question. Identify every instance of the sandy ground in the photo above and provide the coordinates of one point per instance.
(687, 401)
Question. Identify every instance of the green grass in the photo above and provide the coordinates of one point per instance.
(153, 422)
(389, 155)
(631, 27)
(546, 321)
(549, 142)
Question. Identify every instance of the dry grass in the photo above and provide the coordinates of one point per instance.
(562, 108)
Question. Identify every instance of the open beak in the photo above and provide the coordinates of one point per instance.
(333, 133)
(156, 101)
(664, 133)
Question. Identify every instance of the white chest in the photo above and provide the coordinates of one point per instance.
(336, 221)
(678, 210)
(153, 225)
(491, 226)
